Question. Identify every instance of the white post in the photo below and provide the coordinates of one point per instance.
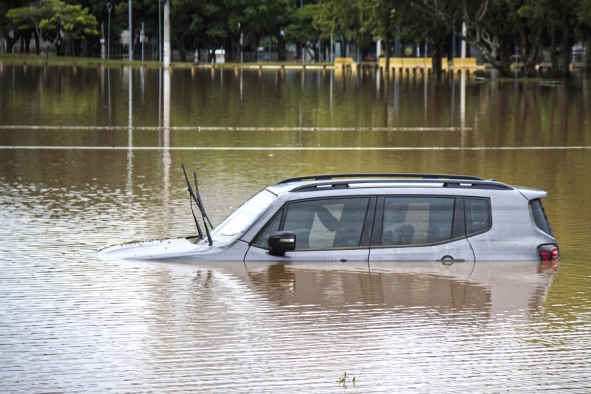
(166, 100)
(464, 42)
(331, 48)
(166, 156)
(109, 7)
(142, 39)
(241, 51)
(378, 49)
(463, 100)
(130, 134)
(167, 34)
(130, 49)
(159, 31)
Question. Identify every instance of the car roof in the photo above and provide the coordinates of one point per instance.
(385, 180)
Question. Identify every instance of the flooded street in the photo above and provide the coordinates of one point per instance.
(92, 156)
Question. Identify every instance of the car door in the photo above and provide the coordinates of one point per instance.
(420, 228)
(326, 230)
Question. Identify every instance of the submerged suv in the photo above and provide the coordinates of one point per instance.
(370, 217)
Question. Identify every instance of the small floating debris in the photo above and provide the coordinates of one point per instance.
(344, 380)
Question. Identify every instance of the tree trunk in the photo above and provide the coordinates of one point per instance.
(505, 50)
(59, 48)
(436, 54)
(316, 48)
(553, 54)
(565, 52)
(387, 54)
(281, 46)
(364, 52)
(256, 39)
(588, 52)
(502, 64)
(37, 41)
(182, 52)
(536, 45)
(26, 40)
(529, 67)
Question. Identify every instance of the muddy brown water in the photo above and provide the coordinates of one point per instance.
(92, 156)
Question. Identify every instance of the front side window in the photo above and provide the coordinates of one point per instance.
(411, 221)
(322, 224)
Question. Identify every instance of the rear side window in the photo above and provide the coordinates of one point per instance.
(417, 220)
(540, 217)
(478, 218)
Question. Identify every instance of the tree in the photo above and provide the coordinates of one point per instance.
(485, 29)
(562, 23)
(255, 18)
(584, 16)
(338, 17)
(55, 21)
(381, 20)
(302, 27)
(9, 31)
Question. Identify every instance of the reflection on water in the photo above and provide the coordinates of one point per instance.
(72, 323)
(489, 290)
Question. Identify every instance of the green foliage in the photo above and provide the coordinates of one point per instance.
(55, 20)
(584, 13)
(302, 27)
(380, 18)
(495, 27)
(340, 17)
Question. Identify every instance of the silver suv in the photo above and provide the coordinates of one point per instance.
(369, 217)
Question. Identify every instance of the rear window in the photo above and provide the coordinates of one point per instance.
(478, 218)
(537, 210)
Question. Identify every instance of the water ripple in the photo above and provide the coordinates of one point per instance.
(70, 323)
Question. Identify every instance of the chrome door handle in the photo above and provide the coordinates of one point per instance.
(449, 260)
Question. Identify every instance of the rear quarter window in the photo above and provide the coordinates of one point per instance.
(478, 217)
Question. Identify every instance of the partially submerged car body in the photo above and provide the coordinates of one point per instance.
(373, 218)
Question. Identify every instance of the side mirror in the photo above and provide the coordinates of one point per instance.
(281, 242)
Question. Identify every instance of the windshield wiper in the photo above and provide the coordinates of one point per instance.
(199, 203)
(201, 207)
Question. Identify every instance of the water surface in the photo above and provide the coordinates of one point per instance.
(92, 156)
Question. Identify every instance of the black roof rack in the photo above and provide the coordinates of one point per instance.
(324, 182)
(328, 177)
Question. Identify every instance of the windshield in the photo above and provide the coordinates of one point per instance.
(241, 219)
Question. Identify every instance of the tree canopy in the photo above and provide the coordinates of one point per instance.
(55, 21)
(501, 30)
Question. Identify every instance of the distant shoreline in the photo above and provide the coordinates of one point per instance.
(41, 60)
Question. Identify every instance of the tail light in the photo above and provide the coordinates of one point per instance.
(549, 252)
